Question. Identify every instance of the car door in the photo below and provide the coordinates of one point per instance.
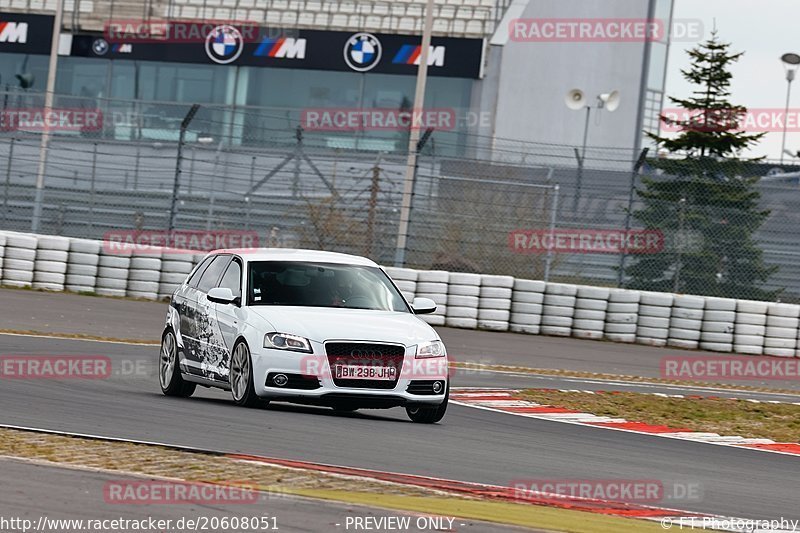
(229, 316)
(185, 303)
(207, 334)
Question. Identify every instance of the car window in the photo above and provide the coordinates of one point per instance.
(212, 273)
(322, 285)
(199, 272)
(232, 279)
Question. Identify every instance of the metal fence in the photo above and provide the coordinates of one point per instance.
(255, 170)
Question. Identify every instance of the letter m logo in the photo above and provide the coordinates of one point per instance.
(13, 32)
(283, 48)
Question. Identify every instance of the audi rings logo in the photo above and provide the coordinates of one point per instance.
(366, 353)
(224, 44)
(362, 52)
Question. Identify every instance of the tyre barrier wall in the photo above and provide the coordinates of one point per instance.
(463, 297)
(471, 301)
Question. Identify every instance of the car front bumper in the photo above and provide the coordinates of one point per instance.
(267, 362)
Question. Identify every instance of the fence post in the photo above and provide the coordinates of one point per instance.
(8, 180)
(247, 197)
(91, 187)
(173, 209)
(553, 215)
(136, 169)
(628, 214)
(681, 219)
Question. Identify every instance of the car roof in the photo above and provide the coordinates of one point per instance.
(296, 254)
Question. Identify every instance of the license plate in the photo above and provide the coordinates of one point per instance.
(387, 373)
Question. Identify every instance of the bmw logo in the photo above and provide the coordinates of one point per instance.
(224, 44)
(100, 47)
(362, 52)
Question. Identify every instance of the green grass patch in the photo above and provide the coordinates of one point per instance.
(779, 422)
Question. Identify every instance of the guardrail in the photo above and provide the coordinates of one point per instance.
(472, 301)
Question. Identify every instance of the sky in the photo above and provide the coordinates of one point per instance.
(764, 30)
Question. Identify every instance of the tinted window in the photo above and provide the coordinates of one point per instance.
(199, 272)
(212, 273)
(233, 278)
(322, 285)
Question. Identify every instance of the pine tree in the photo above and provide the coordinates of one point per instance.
(706, 209)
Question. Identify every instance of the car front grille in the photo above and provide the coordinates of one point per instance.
(365, 354)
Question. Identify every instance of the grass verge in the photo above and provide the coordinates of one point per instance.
(779, 422)
(166, 463)
(616, 377)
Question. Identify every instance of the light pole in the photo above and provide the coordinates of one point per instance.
(576, 100)
(50, 90)
(414, 138)
(790, 63)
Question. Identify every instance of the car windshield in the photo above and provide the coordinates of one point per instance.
(322, 285)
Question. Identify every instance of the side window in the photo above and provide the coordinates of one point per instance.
(232, 279)
(199, 272)
(209, 278)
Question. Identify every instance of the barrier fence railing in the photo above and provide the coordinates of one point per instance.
(502, 207)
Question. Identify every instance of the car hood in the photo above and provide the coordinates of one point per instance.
(324, 323)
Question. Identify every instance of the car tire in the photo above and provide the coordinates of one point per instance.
(241, 376)
(429, 415)
(169, 372)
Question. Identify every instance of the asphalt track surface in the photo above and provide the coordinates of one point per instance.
(470, 444)
(68, 494)
(140, 320)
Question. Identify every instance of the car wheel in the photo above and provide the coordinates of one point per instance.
(429, 415)
(169, 372)
(241, 376)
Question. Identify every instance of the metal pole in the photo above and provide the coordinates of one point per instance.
(212, 196)
(91, 187)
(173, 209)
(553, 214)
(624, 256)
(679, 245)
(48, 105)
(247, 197)
(789, 79)
(581, 160)
(136, 169)
(413, 139)
(8, 179)
(374, 189)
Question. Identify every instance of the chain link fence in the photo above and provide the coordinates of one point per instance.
(479, 204)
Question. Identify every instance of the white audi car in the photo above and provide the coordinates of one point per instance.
(303, 326)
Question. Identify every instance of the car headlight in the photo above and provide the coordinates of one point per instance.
(286, 341)
(430, 349)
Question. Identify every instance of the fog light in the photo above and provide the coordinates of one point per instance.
(280, 380)
(438, 386)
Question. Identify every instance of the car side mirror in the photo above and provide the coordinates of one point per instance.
(423, 306)
(221, 295)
